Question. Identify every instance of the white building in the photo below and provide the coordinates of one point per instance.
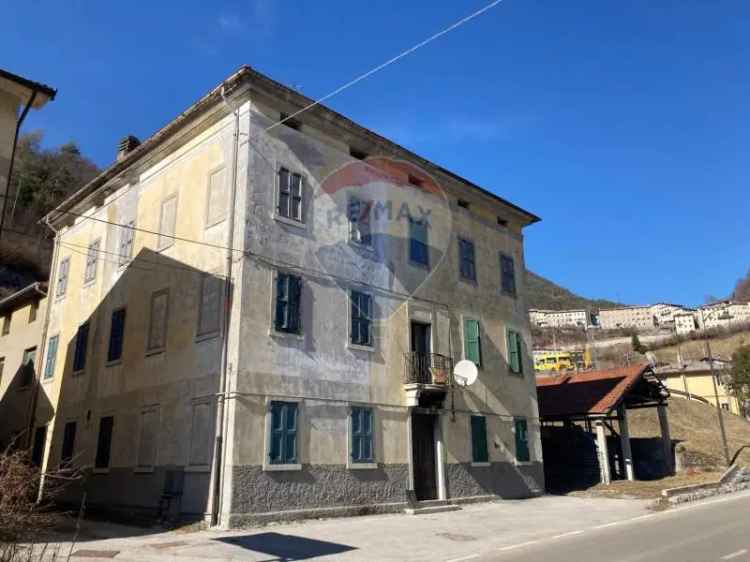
(639, 317)
(559, 318)
(722, 314)
(685, 323)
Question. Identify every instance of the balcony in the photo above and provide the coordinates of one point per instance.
(426, 375)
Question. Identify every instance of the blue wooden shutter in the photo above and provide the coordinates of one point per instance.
(472, 346)
(290, 444)
(277, 433)
(49, 369)
(522, 440)
(479, 439)
(283, 433)
(362, 436)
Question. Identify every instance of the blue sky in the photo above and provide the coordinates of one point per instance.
(624, 124)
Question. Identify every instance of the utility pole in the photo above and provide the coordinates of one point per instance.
(718, 406)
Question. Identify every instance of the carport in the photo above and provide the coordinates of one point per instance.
(598, 399)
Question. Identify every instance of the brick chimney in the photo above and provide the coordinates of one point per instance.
(127, 145)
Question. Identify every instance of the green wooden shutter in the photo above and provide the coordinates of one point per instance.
(514, 352)
(472, 346)
(479, 439)
(522, 440)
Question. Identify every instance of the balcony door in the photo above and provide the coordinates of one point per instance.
(421, 346)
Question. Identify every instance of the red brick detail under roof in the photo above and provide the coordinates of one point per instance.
(590, 393)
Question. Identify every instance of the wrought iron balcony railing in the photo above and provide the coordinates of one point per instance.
(427, 368)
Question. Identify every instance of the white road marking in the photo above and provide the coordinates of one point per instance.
(734, 554)
(470, 557)
(568, 534)
(520, 545)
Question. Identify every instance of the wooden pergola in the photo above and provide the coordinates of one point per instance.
(601, 398)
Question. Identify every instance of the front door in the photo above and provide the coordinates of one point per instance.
(423, 450)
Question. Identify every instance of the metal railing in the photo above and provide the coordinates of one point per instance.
(427, 368)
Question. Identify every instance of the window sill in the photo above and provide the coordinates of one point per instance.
(79, 373)
(285, 335)
(360, 347)
(100, 470)
(114, 363)
(217, 222)
(198, 468)
(48, 380)
(205, 337)
(281, 467)
(88, 284)
(470, 282)
(143, 470)
(291, 222)
(420, 265)
(24, 388)
(351, 465)
(481, 464)
(513, 296)
(523, 463)
(152, 352)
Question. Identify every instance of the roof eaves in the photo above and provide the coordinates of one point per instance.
(30, 84)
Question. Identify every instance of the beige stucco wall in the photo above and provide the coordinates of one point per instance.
(700, 384)
(8, 118)
(15, 400)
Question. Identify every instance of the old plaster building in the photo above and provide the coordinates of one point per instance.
(559, 318)
(255, 319)
(21, 321)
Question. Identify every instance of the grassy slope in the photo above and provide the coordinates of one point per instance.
(543, 293)
(696, 426)
(722, 347)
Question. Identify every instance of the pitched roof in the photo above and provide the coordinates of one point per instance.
(28, 84)
(248, 75)
(590, 393)
(13, 301)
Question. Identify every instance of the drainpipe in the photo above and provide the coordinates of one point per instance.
(13, 157)
(221, 415)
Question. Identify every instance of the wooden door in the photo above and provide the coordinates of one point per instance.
(423, 446)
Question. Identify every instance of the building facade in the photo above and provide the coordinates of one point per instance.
(21, 320)
(258, 319)
(559, 318)
(685, 323)
(723, 314)
(693, 380)
(647, 317)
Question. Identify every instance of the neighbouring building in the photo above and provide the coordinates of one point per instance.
(723, 314)
(17, 96)
(253, 319)
(693, 380)
(21, 321)
(559, 318)
(685, 323)
(647, 317)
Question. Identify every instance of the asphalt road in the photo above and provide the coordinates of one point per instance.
(718, 530)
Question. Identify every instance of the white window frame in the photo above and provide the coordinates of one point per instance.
(86, 280)
(350, 225)
(147, 469)
(61, 295)
(304, 189)
(267, 466)
(124, 259)
(350, 464)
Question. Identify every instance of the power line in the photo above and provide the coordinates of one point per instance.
(390, 61)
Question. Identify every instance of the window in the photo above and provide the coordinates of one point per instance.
(104, 442)
(157, 333)
(167, 222)
(463, 203)
(502, 222)
(81, 347)
(68, 444)
(33, 310)
(147, 441)
(216, 210)
(522, 440)
(288, 308)
(466, 257)
(418, 249)
(27, 367)
(37, 451)
(359, 221)
(209, 310)
(514, 352)
(116, 335)
(361, 316)
(283, 436)
(508, 275)
(127, 235)
(49, 367)
(62, 276)
(479, 452)
(358, 154)
(92, 258)
(6, 323)
(362, 450)
(472, 342)
(2, 368)
(290, 195)
(200, 435)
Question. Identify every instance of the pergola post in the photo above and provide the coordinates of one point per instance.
(666, 439)
(601, 447)
(627, 453)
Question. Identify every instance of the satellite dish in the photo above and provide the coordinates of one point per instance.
(465, 372)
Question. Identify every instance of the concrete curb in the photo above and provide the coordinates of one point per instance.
(734, 479)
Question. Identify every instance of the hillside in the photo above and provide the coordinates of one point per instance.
(696, 427)
(543, 293)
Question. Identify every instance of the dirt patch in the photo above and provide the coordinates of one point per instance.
(646, 489)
